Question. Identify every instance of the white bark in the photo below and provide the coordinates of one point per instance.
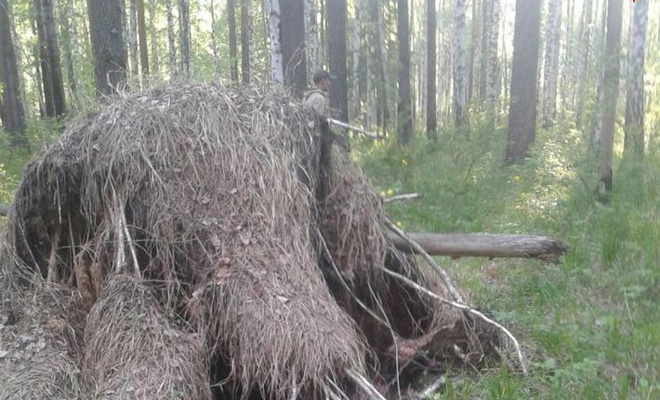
(458, 62)
(272, 8)
(214, 46)
(355, 67)
(311, 40)
(634, 125)
(551, 63)
(492, 54)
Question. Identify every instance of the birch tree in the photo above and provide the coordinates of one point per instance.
(634, 124)
(214, 39)
(233, 46)
(551, 63)
(272, 9)
(431, 60)
(311, 40)
(458, 63)
(492, 55)
(586, 40)
(245, 41)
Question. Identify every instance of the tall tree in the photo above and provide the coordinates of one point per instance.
(586, 39)
(272, 9)
(245, 41)
(492, 55)
(11, 107)
(133, 39)
(68, 36)
(311, 39)
(50, 62)
(105, 24)
(431, 112)
(336, 34)
(214, 39)
(551, 63)
(171, 40)
(611, 93)
(383, 115)
(155, 62)
(458, 63)
(184, 36)
(142, 35)
(634, 125)
(404, 114)
(233, 47)
(522, 110)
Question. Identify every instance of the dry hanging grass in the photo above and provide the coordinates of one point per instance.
(228, 210)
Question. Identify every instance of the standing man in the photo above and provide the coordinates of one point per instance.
(317, 98)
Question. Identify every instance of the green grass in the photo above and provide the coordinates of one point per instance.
(591, 326)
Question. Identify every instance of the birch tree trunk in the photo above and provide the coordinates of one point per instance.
(184, 36)
(233, 46)
(458, 63)
(171, 41)
(551, 63)
(599, 102)
(311, 40)
(473, 52)
(634, 125)
(611, 94)
(355, 64)
(404, 116)
(245, 41)
(524, 70)
(431, 60)
(383, 114)
(492, 55)
(214, 43)
(272, 8)
(67, 26)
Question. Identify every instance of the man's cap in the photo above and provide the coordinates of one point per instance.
(321, 75)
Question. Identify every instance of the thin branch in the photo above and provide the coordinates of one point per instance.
(364, 383)
(432, 388)
(469, 310)
(131, 245)
(443, 275)
(52, 261)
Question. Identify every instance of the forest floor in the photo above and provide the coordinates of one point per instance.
(591, 325)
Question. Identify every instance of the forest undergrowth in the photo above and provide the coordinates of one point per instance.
(591, 325)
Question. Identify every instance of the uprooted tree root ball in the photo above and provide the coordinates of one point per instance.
(200, 241)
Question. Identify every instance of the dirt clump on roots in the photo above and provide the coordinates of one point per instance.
(214, 244)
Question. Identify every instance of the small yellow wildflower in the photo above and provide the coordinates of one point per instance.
(390, 192)
(516, 178)
(382, 194)
(404, 162)
(399, 224)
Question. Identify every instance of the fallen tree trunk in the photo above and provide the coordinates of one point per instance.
(485, 245)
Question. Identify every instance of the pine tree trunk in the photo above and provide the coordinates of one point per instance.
(311, 40)
(233, 46)
(486, 6)
(611, 94)
(551, 63)
(272, 8)
(473, 51)
(634, 125)
(105, 22)
(492, 55)
(524, 69)
(336, 34)
(404, 116)
(132, 39)
(383, 114)
(54, 57)
(245, 41)
(599, 102)
(184, 36)
(155, 61)
(355, 65)
(46, 75)
(292, 35)
(144, 46)
(171, 40)
(458, 64)
(431, 59)
(11, 108)
(67, 29)
(36, 56)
